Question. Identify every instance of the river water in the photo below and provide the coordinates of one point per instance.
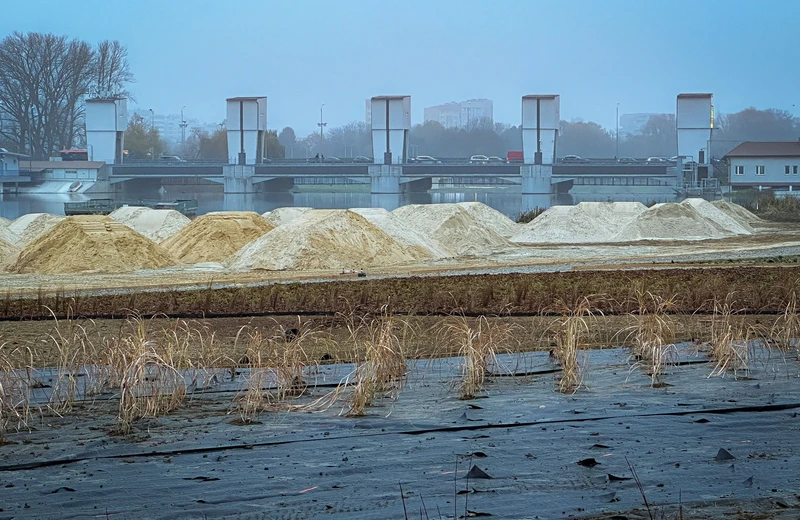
(509, 202)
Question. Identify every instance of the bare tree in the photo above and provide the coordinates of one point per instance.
(111, 70)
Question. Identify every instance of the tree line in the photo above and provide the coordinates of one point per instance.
(44, 82)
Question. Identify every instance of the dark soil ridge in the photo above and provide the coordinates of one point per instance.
(753, 289)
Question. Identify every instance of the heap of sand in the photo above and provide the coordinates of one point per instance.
(719, 217)
(322, 239)
(156, 224)
(4, 222)
(453, 227)
(8, 236)
(8, 252)
(587, 222)
(90, 243)
(214, 237)
(671, 221)
(421, 247)
(281, 216)
(491, 218)
(33, 225)
(742, 215)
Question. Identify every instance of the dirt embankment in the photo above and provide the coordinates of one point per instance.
(752, 289)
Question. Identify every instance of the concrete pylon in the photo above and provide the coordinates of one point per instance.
(694, 121)
(106, 121)
(247, 125)
(540, 123)
(391, 120)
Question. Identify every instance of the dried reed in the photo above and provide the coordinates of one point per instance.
(653, 335)
(570, 332)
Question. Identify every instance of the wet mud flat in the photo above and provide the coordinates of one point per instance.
(717, 446)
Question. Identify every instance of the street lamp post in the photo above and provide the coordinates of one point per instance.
(617, 155)
(183, 131)
(321, 127)
(152, 126)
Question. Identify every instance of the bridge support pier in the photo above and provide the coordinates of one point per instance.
(537, 179)
(238, 178)
(385, 178)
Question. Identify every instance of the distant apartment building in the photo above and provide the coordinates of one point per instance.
(463, 114)
(169, 125)
(633, 124)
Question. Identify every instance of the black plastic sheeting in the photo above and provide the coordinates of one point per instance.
(522, 451)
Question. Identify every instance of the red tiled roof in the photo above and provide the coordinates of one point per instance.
(766, 149)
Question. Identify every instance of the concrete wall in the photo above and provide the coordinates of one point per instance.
(549, 120)
(253, 124)
(694, 120)
(774, 171)
(106, 121)
(399, 125)
(9, 166)
(67, 174)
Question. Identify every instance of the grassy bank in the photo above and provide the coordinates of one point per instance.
(753, 289)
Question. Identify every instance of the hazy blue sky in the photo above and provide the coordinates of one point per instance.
(302, 53)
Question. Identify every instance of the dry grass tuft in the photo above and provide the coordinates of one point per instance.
(15, 389)
(653, 335)
(732, 341)
(786, 329)
(478, 342)
(570, 333)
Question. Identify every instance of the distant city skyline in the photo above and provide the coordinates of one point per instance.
(302, 55)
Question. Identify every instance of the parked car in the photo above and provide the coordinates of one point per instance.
(515, 156)
(572, 159)
(171, 158)
(363, 159)
(655, 160)
(478, 159)
(333, 160)
(495, 159)
(426, 159)
(626, 160)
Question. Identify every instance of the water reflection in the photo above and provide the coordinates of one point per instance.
(506, 201)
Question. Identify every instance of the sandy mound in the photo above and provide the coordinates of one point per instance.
(156, 224)
(451, 226)
(671, 221)
(4, 222)
(33, 225)
(719, 217)
(421, 247)
(586, 222)
(491, 218)
(90, 243)
(736, 211)
(216, 236)
(8, 253)
(8, 236)
(323, 239)
(281, 216)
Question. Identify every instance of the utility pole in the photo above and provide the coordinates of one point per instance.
(183, 131)
(321, 127)
(617, 156)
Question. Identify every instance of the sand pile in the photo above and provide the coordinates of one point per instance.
(281, 216)
(90, 243)
(8, 236)
(719, 217)
(736, 211)
(323, 239)
(671, 221)
(8, 253)
(33, 225)
(4, 222)
(451, 226)
(156, 224)
(418, 245)
(214, 237)
(586, 222)
(491, 218)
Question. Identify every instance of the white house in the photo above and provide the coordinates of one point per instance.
(10, 177)
(65, 170)
(755, 164)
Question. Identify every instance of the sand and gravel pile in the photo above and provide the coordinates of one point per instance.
(420, 246)
(323, 239)
(587, 222)
(33, 225)
(90, 243)
(8, 253)
(491, 218)
(742, 215)
(4, 222)
(453, 227)
(719, 217)
(281, 216)
(156, 224)
(214, 237)
(671, 221)
(8, 236)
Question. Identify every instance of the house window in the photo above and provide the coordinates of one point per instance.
(71, 171)
(794, 169)
(787, 170)
(761, 170)
(738, 170)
